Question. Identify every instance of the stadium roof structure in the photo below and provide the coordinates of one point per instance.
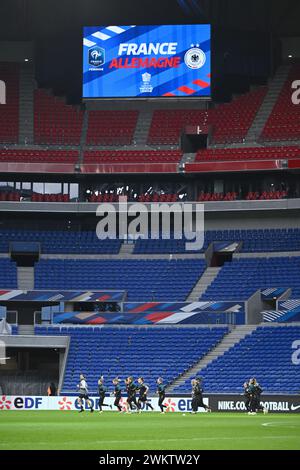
(35, 20)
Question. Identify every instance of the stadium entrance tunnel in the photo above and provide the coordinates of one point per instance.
(221, 252)
(25, 253)
(272, 295)
(270, 304)
(194, 138)
(29, 371)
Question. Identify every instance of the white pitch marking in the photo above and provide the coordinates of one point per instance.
(286, 425)
(202, 438)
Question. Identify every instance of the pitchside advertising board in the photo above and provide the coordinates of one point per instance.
(65, 403)
(227, 403)
(146, 61)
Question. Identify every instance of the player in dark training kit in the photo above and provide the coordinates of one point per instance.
(247, 396)
(131, 388)
(117, 393)
(255, 392)
(143, 391)
(258, 392)
(102, 392)
(161, 390)
(197, 399)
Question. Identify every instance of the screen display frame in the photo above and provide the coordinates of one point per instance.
(155, 97)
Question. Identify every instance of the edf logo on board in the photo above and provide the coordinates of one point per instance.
(20, 403)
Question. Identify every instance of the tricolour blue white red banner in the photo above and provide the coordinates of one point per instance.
(146, 61)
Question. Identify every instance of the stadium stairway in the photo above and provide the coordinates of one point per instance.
(84, 129)
(25, 330)
(25, 277)
(186, 158)
(230, 339)
(204, 281)
(26, 111)
(126, 250)
(274, 89)
(142, 127)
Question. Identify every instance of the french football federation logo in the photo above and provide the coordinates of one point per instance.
(96, 56)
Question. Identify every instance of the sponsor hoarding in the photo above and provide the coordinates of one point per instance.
(273, 403)
(65, 403)
(218, 403)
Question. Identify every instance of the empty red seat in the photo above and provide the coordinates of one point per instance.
(132, 156)
(37, 197)
(230, 122)
(266, 195)
(248, 153)
(56, 122)
(284, 120)
(111, 127)
(206, 197)
(9, 196)
(158, 197)
(38, 156)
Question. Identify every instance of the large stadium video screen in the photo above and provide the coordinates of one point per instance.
(146, 61)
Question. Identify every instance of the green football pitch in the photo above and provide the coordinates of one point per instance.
(148, 431)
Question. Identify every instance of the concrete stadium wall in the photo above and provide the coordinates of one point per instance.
(16, 51)
(252, 220)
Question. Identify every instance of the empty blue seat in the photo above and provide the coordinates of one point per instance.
(239, 279)
(265, 354)
(147, 352)
(8, 274)
(144, 280)
(61, 241)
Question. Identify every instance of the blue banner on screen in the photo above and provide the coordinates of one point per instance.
(146, 61)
